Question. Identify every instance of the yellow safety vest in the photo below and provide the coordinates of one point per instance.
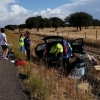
(55, 47)
(21, 41)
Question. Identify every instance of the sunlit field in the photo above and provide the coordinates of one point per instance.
(90, 33)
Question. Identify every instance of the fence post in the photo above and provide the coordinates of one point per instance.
(85, 35)
(68, 33)
(62, 33)
(76, 34)
(96, 35)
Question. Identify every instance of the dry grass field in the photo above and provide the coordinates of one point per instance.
(49, 84)
(91, 35)
(72, 32)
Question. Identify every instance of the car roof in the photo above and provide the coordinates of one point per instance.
(52, 37)
(56, 38)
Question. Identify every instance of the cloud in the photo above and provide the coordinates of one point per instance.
(88, 6)
(6, 2)
(48, 13)
(11, 13)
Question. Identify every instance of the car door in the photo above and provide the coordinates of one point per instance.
(77, 45)
(39, 49)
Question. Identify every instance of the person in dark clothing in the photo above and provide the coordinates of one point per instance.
(27, 43)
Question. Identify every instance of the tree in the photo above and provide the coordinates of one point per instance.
(47, 23)
(29, 22)
(99, 23)
(34, 22)
(11, 27)
(56, 22)
(21, 26)
(66, 20)
(79, 19)
(95, 22)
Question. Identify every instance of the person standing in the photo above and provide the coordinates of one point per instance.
(24, 46)
(4, 44)
(27, 43)
(21, 42)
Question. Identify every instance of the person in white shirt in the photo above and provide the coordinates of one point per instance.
(4, 43)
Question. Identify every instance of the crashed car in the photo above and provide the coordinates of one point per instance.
(82, 66)
(69, 48)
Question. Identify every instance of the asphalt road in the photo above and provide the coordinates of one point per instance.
(10, 84)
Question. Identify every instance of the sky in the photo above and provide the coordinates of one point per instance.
(17, 11)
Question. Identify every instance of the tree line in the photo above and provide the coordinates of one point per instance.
(78, 20)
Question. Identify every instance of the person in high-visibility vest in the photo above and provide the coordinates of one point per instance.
(57, 50)
(21, 43)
